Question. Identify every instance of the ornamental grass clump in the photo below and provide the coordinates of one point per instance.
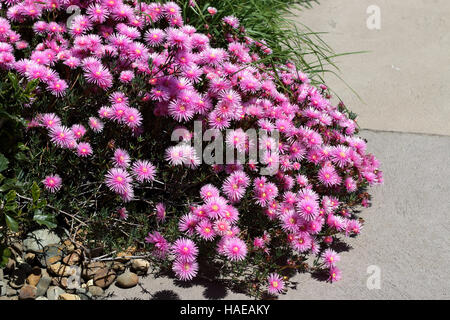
(116, 80)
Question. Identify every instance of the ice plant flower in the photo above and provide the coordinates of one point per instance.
(52, 183)
(275, 284)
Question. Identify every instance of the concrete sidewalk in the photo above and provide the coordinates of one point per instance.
(406, 234)
(403, 80)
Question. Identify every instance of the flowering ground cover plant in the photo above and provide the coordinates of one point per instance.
(117, 80)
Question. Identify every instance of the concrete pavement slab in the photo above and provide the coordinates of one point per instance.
(403, 80)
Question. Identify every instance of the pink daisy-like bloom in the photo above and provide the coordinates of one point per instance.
(61, 136)
(187, 223)
(78, 131)
(49, 120)
(84, 149)
(52, 183)
(162, 246)
(308, 209)
(181, 111)
(275, 283)
(118, 180)
(58, 87)
(302, 242)
(160, 212)
(230, 214)
(121, 158)
(185, 249)
(144, 170)
(132, 117)
(95, 124)
(215, 207)
(185, 270)
(209, 191)
(221, 227)
(350, 184)
(126, 76)
(330, 257)
(328, 176)
(123, 213)
(155, 37)
(205, 230)
(100, 76)
(235, 249)
(334, 274)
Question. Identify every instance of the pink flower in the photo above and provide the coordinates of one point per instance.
(205, 230)
(118, 180)
(52, 183)
(121, 158)
(143, 171)
(235, 249)
(185, 270)
(123, 214)
(185, 249)
(95, 124)
(78, 131)
(334, 274)
(330, 257)
(84, 149)
(160, 212)
(61, 136)
(275, 283)
(212, 11)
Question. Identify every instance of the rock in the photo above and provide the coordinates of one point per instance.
(117, 266)
(43, 285)
(127, 280)
(41, 298)
(51, 254)
(3, 288)
(68, 296)
(33, 279)
(61, 270)
(90, 269)
(104, 278)
(67, 246)
(27, 292)
(96, 291)
(123, 256)
(1, 275)
(37, 240)
(11, 292)
(90, 283)
(84, 294)
(73, 258)
(30, 257)
(35, 276)
(54, 292)
(140, 266)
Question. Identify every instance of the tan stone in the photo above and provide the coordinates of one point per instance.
(59, 269)
(73, 258)
(104, 278)
(33, 279)
(27, 292)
